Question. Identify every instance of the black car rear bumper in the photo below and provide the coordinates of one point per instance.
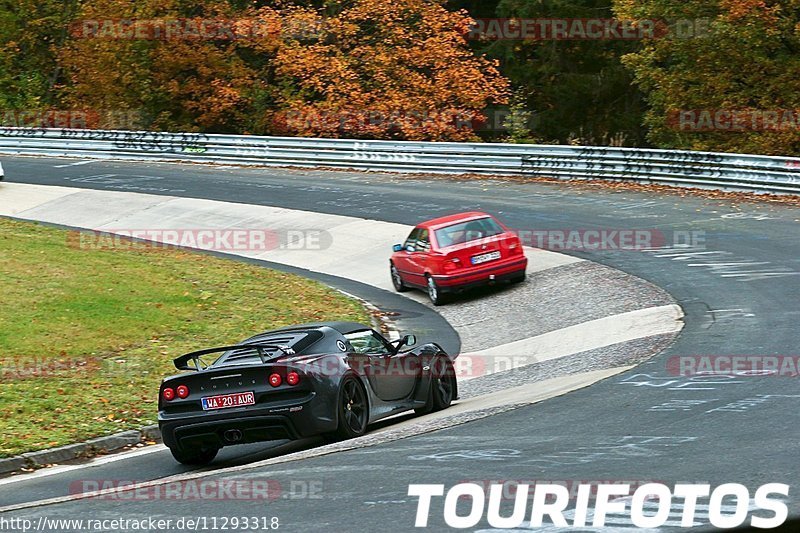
(207, 430)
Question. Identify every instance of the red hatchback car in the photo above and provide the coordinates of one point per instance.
(452, 253)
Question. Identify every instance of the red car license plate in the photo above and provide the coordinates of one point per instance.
(483, 258)
(223, 401)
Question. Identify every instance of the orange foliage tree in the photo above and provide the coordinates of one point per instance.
(386, 70)
(178, 66)
(364, 68)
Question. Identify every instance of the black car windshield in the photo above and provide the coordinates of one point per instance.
(472, 230)
(366, 341)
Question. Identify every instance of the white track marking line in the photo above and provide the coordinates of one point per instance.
(77, 163)
(581, 337)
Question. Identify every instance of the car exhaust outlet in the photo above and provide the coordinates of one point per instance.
(232, 435)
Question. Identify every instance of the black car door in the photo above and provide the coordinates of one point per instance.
(392, 376)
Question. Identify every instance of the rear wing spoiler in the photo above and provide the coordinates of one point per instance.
(183, 362)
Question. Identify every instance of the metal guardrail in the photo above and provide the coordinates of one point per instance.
(672, 167)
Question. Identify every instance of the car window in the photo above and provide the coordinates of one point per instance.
(412, 238)
(472, 230)
(423, 241)
(420, 239)
(366, 342)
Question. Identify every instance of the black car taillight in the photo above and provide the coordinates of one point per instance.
(292, 378)
(275, 380)
(168, 394)
(182, 391)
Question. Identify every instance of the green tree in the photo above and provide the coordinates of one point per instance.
(31, 31)
(578, 91)
(737, 55)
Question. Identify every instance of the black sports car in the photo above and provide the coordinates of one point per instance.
(330, 379)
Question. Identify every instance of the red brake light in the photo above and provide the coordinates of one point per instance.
(292, 378)
(275, 380)
(168, 394)
(182, 391)
(452, 264)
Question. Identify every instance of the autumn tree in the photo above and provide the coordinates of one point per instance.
(377, 69)
(183, 66)
(720, 60)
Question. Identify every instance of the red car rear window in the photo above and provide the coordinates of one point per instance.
(472, 230)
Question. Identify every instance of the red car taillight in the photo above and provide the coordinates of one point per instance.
(182, 391)
(275, 380)
(451, 264)
(168, 394)
(292, 378)
(515, 248)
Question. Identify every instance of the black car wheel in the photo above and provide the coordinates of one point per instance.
(397, 281)
(353, 409)
(442, 391)
(202, 456)
(434, 293)
(443, 385)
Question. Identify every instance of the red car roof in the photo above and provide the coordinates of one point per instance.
(441, 222)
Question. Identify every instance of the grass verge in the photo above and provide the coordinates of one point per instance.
(87, 335)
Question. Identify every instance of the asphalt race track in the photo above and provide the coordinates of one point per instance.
(738, 287)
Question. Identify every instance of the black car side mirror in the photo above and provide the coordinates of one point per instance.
(406, 340)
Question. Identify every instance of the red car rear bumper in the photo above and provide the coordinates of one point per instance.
(496, 271)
